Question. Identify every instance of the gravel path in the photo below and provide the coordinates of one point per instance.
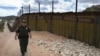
(69, 48)
(62, 46)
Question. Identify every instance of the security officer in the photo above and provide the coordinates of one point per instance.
(23, 33)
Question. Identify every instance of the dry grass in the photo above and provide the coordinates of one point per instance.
(1, 26)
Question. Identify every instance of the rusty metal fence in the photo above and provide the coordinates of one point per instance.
(85, 28)
(88, 27)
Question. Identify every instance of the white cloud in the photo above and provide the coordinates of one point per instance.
(64, 6)
(15, 3)
(90, 1)
(8, 13)
(60, 5)
(10, 3)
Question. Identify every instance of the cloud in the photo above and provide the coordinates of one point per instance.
(67, 0)
(11, 3)
(8, 7)
(26, 1)
(46, 2)
(90, 1)
(8, 12)
(32, 9)
(63, 6)
(43, 8)
(35, 9)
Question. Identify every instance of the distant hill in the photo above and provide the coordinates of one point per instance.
(94, 8)
(8, 17)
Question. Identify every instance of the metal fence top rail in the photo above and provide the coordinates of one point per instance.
(67, 13)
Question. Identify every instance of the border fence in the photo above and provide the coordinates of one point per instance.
(87, 29)
(12, 25)
(84, 26)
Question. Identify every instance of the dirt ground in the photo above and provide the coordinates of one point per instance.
(10, 47)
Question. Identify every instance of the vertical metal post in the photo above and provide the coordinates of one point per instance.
(22, 10)
(39, 7)
(29, 9)
(28, 16)
(36, 23)
(76, 23)
(96, 39)
(50, 28)
(88, 33)
(36, 19)
(18, 15)
(64, 27)
(21, 13)
(52, 6)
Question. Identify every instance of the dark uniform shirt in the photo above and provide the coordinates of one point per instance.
(23, 32)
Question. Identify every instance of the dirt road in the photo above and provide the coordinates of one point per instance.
(10, 47)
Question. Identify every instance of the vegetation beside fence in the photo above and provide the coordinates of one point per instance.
(1, 26)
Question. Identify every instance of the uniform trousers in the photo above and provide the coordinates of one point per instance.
(23, 45)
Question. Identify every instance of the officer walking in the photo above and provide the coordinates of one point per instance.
(23, 33)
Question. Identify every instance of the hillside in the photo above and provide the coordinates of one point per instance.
(94, 8)
(8, 17)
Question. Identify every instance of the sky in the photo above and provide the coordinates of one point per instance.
(12, 7)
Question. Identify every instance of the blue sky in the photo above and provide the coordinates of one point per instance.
(12, 7)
